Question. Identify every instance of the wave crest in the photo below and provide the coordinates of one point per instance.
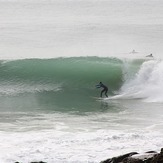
(146, 84)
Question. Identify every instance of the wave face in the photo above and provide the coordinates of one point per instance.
(36, 75)
(69, 83)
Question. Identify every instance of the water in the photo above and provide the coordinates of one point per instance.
(53, 53)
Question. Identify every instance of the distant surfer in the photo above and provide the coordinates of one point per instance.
(105, 89)
(133, 52)
(150, 55)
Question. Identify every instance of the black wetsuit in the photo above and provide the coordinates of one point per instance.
(105, 88)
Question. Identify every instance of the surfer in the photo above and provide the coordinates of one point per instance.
(150, 55)
(133, 52)
(105, 88)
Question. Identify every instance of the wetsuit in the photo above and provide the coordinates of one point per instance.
(105, 88)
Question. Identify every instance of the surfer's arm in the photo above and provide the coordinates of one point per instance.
(98, 86)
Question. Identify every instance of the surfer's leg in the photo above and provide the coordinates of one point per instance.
(106, 91)
(102, 92)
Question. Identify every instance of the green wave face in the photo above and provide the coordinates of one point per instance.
(77, 72)
(62, 82)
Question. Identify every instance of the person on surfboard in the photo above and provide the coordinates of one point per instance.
(105, 88)
(150, 55)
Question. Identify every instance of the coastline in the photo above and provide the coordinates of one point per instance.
(135, 157)
(132, 157)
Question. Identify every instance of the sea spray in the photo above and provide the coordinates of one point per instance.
(146, 83)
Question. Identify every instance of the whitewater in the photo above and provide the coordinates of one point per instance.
(52, 55)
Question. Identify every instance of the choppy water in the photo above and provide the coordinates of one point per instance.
(53, 53)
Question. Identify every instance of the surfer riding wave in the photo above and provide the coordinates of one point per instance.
(105, 89)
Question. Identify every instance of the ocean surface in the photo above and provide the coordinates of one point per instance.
(52, 55)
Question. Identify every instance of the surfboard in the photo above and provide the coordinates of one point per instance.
(100, 98)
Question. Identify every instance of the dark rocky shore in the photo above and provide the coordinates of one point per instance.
(134, 157)
(34, 162)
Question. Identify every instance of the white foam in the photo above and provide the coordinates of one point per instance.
(54, 146)
(59, 138)
(147, 83)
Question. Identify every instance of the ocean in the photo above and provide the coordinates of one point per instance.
(53, 53)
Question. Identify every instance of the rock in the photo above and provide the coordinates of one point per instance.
(158, 158)
(151, 152)
(34, 162)
(134, 157)
(119, 158)
(39, 162)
